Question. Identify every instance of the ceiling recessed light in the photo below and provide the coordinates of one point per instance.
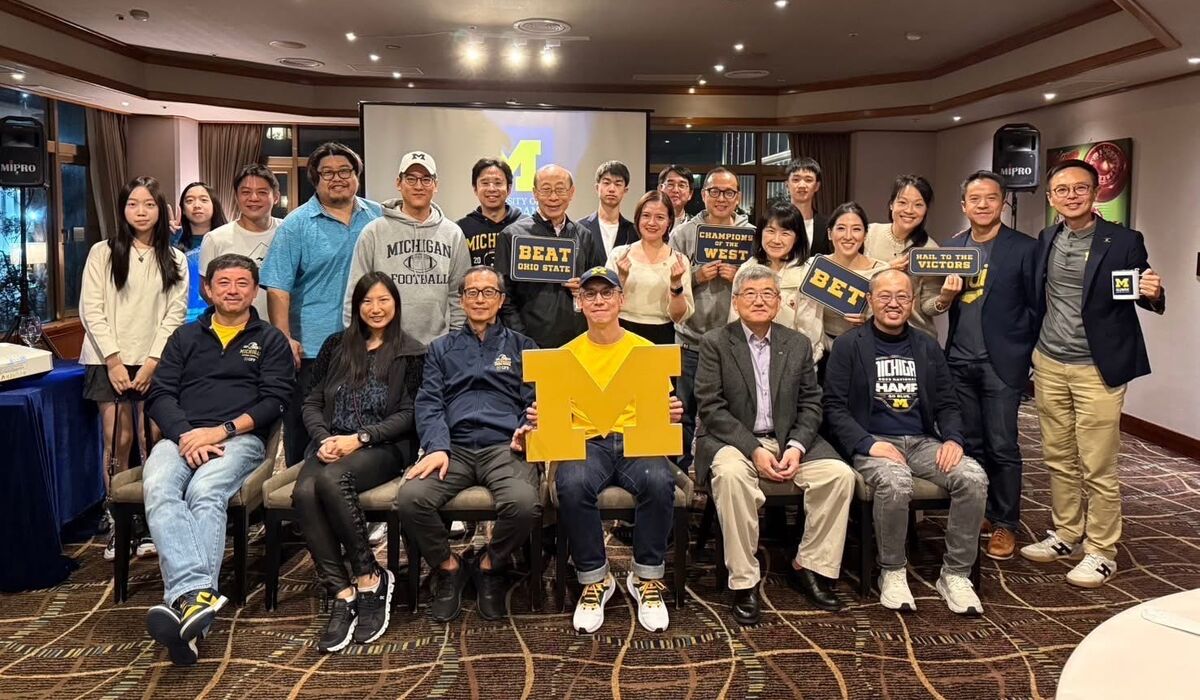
(396, 74)
(853, 35)
(956, 118)
(351, 36)
(719, 67)
(702, 81)
(912, 36)
(781, 3)
(17, 75)
(691, 91)
(374, 57)
(687, 126)
(412, 84)
(666, 140)
(281, 44)
(140, 15)
(515, 56)
(739, 46)
(1049, 95)
(1194, 60)
(124, 104)
(549, 58)
(473, 54)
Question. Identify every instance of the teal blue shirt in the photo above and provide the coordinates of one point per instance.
(310, 260)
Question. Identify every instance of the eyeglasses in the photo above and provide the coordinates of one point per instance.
(717, 193)
(753, 295)
(424, 180)
(492, 185)
(901, 299)
(488, 293)
(343, 174)
(607, 294)
(672, 186)
(557, 191)
(1080, 189)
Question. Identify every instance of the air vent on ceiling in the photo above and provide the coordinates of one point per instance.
(685, 78)
(293, 45)
(377, 69)
(293, 62)
(746, 74)
(541, 26)
(1078, 88)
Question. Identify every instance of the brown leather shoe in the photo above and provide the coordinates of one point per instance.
(1002, 545)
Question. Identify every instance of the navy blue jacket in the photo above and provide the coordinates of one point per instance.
(1010, 305)
(626, 234)
(1113, 331)
(199, 384)
(472, 394)
(850, 390)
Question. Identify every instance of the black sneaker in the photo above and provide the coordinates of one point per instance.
(375, 609)
(340, 628)
(491, 592)
(163, 622)
(446, 589)
(199, 610)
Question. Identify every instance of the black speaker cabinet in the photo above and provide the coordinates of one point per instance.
(22, 152)
(1017, 156)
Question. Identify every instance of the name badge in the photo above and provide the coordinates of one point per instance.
(1125, 285)
(730, 244)
(542, 259)
(944, 261)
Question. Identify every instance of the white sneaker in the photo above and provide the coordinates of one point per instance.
(959, 595)
(1092, 572)
(893, 591)
(589, 611)
(376, 534)
(1051, 549)
(652, 610)
(146, 548)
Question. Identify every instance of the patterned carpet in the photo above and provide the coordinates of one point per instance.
(71, 641)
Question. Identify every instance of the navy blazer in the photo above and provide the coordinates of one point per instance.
(850, 390)
(626, 233)
(1010, 304)
(1113, 331)
(821, 244)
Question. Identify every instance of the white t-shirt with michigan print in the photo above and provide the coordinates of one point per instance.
(232, 238)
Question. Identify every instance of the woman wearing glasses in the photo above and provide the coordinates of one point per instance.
(656, 280)
(908, 208)
(357, 411)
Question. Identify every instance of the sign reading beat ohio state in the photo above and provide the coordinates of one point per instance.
(642, 380)
(943, 261)
(834, 286)
(730, 244)
(542, 259)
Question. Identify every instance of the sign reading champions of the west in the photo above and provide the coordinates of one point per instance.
(731, 244)
(944, 261)
(832, 285)
(542, 259)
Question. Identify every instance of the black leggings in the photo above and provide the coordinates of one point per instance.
(326, 504)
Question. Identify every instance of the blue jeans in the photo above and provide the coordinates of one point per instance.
(652, 484)
(989, 414)
(686, 391)
(185, 509)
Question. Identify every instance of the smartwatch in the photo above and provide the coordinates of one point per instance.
(364, 438)
(230, 428)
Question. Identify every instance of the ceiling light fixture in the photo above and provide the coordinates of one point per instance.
(515, 56)
(351, 36)
(124, 104)
(549, 58)
(140, 15)
(474, 53)
(1194, 60)
(913, 36)
(412, 85)
(719, 67)
(17, 76)
(396, 74)
(956, 118)
(1049, 95)
(702, 81)
(374, 57)
(691, 91)
(781, 3)
(739, 46)
(687, 126)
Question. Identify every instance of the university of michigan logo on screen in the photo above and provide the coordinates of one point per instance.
(531, 149)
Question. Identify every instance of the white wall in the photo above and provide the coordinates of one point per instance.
(1163, 121)
(877, 157)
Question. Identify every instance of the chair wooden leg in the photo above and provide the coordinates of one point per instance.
(273, 524)
(122, 526)
(912, 540)
(706, 523)
(976, 579)
(536, 562)
(393, 549)
(241, 536)
(866, 554)
(681, 555)
(560, 569)
(414, 572)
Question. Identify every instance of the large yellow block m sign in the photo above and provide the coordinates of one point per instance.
(561, 381)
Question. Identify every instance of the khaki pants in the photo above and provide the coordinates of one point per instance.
(828, 487)
(1081, 436)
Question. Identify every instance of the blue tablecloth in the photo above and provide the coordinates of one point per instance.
(51, 454)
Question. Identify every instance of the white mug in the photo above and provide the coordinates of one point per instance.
(1125, 285)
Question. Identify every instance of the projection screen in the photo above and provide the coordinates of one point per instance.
(457, 136)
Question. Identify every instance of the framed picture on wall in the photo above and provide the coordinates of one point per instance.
(1113, 159)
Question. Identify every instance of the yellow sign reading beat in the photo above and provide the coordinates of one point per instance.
(561, 381)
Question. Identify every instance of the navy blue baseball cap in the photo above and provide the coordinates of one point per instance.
(601, 273)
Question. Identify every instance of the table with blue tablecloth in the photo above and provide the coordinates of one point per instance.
(51, 454)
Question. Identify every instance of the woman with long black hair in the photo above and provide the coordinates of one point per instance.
(357, 411)
(133, 297)
(199, 212)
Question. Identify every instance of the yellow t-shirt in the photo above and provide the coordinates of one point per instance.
(226, 333)
(602, 362)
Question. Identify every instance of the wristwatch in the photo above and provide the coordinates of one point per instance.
(364, 438)
(230, 428)
(676, 291)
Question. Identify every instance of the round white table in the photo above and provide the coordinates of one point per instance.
(1128, 656)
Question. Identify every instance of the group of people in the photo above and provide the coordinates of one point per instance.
(384, 335)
